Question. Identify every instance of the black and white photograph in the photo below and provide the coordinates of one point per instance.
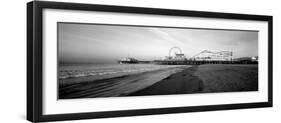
(110, 60)
(89, 60)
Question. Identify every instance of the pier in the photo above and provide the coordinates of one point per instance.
(177, 57)
(190, 62)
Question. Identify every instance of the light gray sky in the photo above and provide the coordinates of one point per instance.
(85, 43)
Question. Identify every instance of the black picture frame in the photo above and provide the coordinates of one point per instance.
(35, 69)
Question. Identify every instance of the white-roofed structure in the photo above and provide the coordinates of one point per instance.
(213, 56)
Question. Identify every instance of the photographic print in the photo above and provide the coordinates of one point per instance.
(83, 59)
(102, 60)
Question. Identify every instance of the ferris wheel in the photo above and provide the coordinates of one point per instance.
(174, 51)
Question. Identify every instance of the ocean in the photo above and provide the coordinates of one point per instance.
(106, 70)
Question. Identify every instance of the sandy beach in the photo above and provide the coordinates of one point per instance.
(228, 77)
(207, 78)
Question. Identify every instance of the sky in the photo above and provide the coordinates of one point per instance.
(92, 43)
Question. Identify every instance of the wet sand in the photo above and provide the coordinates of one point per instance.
(179, 83)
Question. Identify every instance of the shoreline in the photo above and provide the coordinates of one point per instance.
(117, 86)
(183, 82)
